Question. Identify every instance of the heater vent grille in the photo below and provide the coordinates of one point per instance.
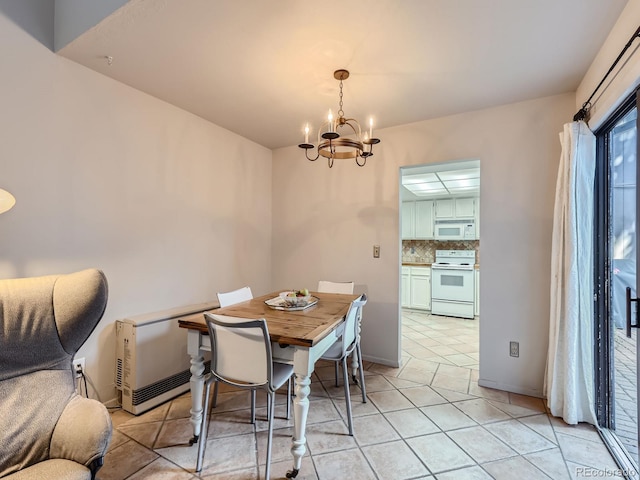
(163, 386)
(119, 373)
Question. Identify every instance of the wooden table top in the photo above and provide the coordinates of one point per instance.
(301, 327)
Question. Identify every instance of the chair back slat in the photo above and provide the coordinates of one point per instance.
(235, 296)
(325, 286)
(352, 323)
(241, 350)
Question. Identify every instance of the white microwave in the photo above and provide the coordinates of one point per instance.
(455, 230)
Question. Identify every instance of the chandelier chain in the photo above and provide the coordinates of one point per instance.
(340, 111)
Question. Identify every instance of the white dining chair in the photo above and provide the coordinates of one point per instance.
(226, 299)
(347, 344)
(325, 286)
(242, 357)
(233, 297)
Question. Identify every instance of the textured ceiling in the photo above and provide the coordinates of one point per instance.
(263, 69)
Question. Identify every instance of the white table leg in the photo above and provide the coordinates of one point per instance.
(356, 353)
(354, 366)
(300, 411)
(197, 386)
(304, 360)
(196, 382)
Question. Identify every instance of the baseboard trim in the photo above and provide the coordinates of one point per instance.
(381, 361)
(113, 403)
(531, 392)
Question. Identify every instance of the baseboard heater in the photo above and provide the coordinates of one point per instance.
(152, 364)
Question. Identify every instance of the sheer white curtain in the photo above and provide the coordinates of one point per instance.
(569, 384)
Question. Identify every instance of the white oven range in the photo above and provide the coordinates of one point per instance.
(453, 283)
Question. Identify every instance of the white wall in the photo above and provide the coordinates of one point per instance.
(326, 222)
(171, 207)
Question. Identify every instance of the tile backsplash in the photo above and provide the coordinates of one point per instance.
(424, 251)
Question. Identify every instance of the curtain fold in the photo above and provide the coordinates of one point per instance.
(569, 376)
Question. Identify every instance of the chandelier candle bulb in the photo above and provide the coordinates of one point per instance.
(306, 133)
(370, 127)
(7, 201)
(330, 121)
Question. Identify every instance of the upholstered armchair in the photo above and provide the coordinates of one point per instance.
(47, 431)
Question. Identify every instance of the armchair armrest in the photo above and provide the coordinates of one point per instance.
(83, 433)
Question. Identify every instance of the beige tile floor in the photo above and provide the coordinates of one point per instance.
(428, 419)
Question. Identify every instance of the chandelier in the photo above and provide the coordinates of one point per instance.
(332, 145)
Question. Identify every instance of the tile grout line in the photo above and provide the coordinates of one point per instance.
(396, 374)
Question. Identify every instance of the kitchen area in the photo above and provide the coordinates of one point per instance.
(440, 233)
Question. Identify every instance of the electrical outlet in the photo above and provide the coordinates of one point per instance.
(514, 349)
(78, 366)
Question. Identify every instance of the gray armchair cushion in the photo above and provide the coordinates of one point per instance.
(43, 322)
(56, 468)
(87, 416)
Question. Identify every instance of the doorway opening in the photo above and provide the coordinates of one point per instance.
(440, 275)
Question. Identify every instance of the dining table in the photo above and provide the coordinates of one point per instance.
(298, 337)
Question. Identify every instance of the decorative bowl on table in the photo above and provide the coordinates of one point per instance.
(295, 298)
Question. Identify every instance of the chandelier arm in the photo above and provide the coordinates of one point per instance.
(363, 163)
(311, 159)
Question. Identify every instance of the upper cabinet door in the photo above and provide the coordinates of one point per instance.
(465, 208)
(477, 217)
(445, 208)
(408, 226)
(424, 219)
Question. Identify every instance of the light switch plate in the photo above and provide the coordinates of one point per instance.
(376, 251)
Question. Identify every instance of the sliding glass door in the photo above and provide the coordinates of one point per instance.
(617, 282)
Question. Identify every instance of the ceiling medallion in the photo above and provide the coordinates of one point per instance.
(332, 145)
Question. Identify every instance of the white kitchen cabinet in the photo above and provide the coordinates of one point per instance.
(476, 303)
(464, 207)
(420, 283)
(405, 287)
(417, 220)
(455, 208)
(477, 217)
(445, 208)
(408, 218)
(423, 220)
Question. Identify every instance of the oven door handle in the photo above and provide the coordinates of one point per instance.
(446, 300)
(454, 269)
